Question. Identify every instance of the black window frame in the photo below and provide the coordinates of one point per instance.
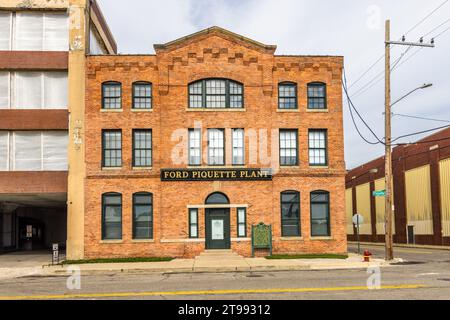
(320, 192)
(223, 147)
(296, 148)
(134, 97)
(104, 97)
(200, 147)
(228, 94)
(317, 84)
(135, 195)
(104, 132)
(134, 149)
(241, 223)
(288, 84)
(104, 205)
(283, 220)
(190, 224)
(325, 132)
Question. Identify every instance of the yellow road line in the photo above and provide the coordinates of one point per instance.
(203, 292)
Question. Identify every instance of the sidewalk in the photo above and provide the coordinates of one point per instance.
(402, 245)
(219, 264)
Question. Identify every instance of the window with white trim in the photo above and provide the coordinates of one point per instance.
(216, 147)
(33, 90)
(33, 150)
(318, 147)
(238, 147)
(195, 147)
(241, 222)
(193, 223)
(288, 147)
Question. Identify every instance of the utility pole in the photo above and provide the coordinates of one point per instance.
(389, 200)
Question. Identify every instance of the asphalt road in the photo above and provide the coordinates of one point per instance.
(424, 275)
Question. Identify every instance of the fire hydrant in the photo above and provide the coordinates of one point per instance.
(367, 255)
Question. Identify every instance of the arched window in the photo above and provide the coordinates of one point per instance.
(216, 94)
(111, 216)
(142, 95)
(320, 213)
(217, 198)
(290, 214)
(317, 95)
(112, 95)
(142, 215)
(287, 95)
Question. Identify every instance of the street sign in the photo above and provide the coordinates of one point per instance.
(380, 193)
(55, 259)
(358, 219)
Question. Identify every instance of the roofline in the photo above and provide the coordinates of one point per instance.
(98, 12)
(211, 30)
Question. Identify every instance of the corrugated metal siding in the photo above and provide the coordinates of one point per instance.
(444, 169)
(380, 208)
(418, 200)
(349, 210)
(363, 207)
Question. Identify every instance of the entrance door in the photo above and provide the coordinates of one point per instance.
(217, 229)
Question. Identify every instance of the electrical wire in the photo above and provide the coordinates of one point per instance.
(434, 29)
(426, 17)
(420, 132)
(419, 118)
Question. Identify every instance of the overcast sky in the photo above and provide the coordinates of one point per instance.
(354, 29)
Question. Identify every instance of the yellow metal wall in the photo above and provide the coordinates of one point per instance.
(349, 210)
(363, 207)
(444, 169)
(418, 200)
(380, 209)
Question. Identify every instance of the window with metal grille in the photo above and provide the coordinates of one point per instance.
(195, 147)
(142, 148)
(318, 147)
(216, 94)
(216, 147)
(320, 214)
(111, 216)
(317, 96)
(238, 146)
(142, 95)
(142, 215)
(290, 214)
(112, 148)
(287, 95)
(111, 95)
(288, 148)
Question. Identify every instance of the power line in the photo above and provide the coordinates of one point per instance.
(420, 132)
(419, 118)
(426, 17)
(440, 34)
(434, 29)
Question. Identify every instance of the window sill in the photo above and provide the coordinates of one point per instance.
(289, 167)
(142, 168)
(216, 109)
(318, 167)
(141, 110)
(291, 238)
(216, 167)
(111, 168)
(143, 241)
(288, 110)
(111, 110)
(111, 241)
(241, 239)
(322, 238)
(317, 110)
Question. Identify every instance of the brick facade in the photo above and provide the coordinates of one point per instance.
(214, 53)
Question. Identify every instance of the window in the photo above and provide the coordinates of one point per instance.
(142, 215)
(195, 143)
(320, 214)
(112, 95)
(142, 95)
(112, 216)
(33, 150)
(217, 198)
(317, 96)
(34, 31)
(193, 223)
(241, 222)
(238, 147)
(112, 148)
(318, 148)
(33, 90)
(216, 147)
(142, 148)
(287, 95)
(216, 93)
(288, 147)
(290, 214)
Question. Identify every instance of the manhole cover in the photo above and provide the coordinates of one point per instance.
(254, 276)
(408, 263)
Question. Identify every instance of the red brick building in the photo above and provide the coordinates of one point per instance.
(188, 148)
(421, 175)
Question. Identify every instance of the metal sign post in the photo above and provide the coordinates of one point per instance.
(55, 258)
(357, 220)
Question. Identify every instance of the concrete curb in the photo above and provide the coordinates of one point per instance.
(412, 246)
